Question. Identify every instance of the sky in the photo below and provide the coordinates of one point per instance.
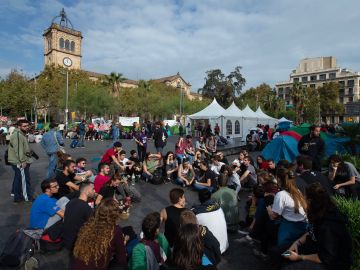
(145, 39)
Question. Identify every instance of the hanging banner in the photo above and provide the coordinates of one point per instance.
(128, 121)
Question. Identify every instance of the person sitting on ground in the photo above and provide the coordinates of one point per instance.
(216, 164)
(180, 149)
(170, 215)
(134, 157)
(100, 242)
(290, 204)
(271, 167)
(261, 163)
(234, 179)
(66, 181)
(211, 145)
(196, 164)
(102, 177)
(61, 159)
(330, 236)
(304, 167)
(77, 212)
(125, 163)
(200, 145)
(186, 174)
(111, 155)
(80, 170)
(222, 158)
(249, 177)
(150, 164)
(171, 166)
(189, 148)
(251, 144)
(210, 243)
(344, 176)
(210, 214)
(227, 198)
(44, 206)
(152, 247)
(189, 251)
(207, 179)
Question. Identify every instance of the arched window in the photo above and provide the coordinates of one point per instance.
(67, 45)
(228, 127)
(72, 46)
(237, 127)
(61, 43)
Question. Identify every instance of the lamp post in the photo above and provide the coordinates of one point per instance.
(67, 63)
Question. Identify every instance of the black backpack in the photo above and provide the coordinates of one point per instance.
(158, 177)
(18, 248)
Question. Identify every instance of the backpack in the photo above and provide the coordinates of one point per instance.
(157, 178)
(18, 248)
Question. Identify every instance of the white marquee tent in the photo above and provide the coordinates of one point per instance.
(265, 119)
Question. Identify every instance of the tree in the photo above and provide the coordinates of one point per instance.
(297, 94)
(329, 96)
(224, 88)
(311, 102)
(114, 80)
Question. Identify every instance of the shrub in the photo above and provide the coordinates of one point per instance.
(355, 160)
(351, 208)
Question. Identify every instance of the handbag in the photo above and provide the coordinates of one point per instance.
(60, 148)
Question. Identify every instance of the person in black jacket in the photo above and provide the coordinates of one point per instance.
(160, 138)
(328, 245)
(313, 146)
(211, 244)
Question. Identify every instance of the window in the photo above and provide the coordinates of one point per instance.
(351, 83)
(237, 127)
(62, 43)
(341, 92)
(322, 77)
(287, 90)
(332, 75)
(350, 91)
(72, 46)
(304, 79)
(312, 85)
(49, 44)
(228, 127)
(67, 45)
(351, 99)
(341, 83)
(296, 79)
(313, 78)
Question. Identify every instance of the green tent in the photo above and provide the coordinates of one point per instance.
(305, 125)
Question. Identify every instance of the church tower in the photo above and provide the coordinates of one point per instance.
(62, 44)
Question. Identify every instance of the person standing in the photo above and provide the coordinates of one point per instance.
(188, 129)
(52, 142)
(160, 138)
(141, 141)
(61, 128)
(312, 145)
(81, 132)
(115, 132)
(20, 157)
(217, 129)
(181, 129)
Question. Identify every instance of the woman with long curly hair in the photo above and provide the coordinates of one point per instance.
(188, 251)
(100, 239)
(290, 205)
(329, 235)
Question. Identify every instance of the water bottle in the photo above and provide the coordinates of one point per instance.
(133, 179)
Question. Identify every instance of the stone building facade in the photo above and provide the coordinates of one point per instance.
(314, 72)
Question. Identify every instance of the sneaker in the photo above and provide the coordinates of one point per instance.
(31, 264)
(246, 240)
(262, 256)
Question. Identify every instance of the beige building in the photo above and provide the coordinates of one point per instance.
(62, 47)
(314, 72)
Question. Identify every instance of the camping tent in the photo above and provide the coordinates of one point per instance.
(283, 147)
(284, 123)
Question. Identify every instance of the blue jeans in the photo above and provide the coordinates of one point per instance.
(200, 187)
(21, 183)
(159, 150)
(146, 176)
(179, 158)
(289, 231)
(81, 141)
(53, 159)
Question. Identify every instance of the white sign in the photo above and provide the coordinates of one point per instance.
(128, 121)
(171, 123)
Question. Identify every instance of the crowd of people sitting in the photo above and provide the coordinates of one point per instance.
(291, 219)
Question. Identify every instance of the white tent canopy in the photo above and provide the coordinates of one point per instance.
(248, 112)
(233, 110)
(264, 118)
(283, 119)
(213, 110)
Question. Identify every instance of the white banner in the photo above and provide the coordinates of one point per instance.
(128, 121)
(171, 122)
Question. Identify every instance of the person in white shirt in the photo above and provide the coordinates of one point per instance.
(125, 163)
(290, 205)
(61, 128)
(216, 165)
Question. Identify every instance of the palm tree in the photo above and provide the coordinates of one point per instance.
(297, 94)
(114, 80)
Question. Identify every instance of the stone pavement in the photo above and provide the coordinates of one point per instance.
(154, 198)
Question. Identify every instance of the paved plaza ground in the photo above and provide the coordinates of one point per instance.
(154, 198)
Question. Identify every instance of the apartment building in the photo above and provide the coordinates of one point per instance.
(314, 72)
